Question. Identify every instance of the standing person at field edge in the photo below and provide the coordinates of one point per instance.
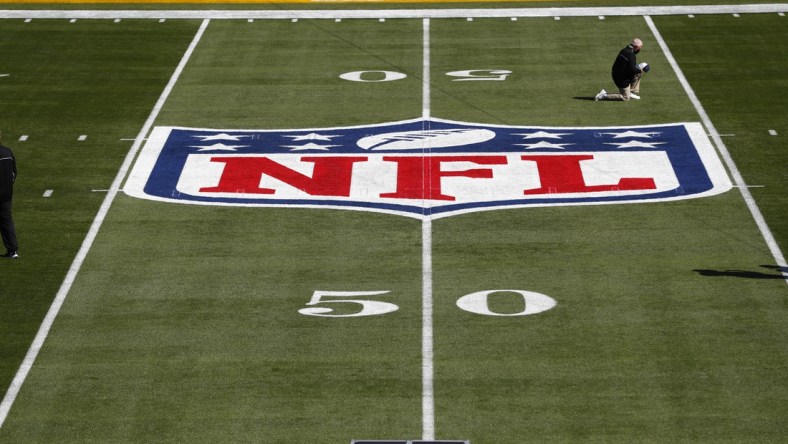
(7, 178)
(626, 73)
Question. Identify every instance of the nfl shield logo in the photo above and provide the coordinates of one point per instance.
(427, 167)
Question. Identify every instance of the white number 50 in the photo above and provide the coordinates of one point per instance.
(368, 308)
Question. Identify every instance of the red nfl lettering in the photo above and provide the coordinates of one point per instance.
(562, 174)
(413, 172)
(418, 177)
(331, 175)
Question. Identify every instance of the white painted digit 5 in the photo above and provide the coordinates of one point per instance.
(368, 308)
(479, 74)
(466, 75)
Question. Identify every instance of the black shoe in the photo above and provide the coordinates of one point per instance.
(11, 255)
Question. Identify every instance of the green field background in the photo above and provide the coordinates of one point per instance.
(183, 323)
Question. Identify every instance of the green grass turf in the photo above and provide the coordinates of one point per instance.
(184, 324)
(99, 79)
(741, 84)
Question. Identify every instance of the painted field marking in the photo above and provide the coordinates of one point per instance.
(427, 353)
(771, 242)
(48, 193)
(57, 303)
(286, 14)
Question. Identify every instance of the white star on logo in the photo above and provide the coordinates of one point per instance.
(636, 144)
(542, 135)
(309, 146)
(543, 144)
(221, 136)
(312, 136)
(218, 147)
(632, 134)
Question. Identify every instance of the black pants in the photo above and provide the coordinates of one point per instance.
(7, 229)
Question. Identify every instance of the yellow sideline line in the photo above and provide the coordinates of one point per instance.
(258, 1)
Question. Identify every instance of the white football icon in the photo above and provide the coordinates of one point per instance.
(425, 139)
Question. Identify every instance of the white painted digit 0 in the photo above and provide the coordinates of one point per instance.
(372, 76)
(478, 303)
(479, 75)
(368, 308)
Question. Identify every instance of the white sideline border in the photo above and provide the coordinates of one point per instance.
(76, 265)
(394, 13)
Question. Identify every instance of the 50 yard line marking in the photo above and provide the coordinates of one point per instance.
(427, 370)
(76, 265)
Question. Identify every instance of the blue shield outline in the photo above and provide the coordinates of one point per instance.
(698, 170)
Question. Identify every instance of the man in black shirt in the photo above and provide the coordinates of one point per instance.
(7, 178)
(626, 74)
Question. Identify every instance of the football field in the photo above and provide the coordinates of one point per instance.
(321, 226)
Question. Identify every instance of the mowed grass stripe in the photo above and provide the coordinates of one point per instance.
(196, 333)
(62, 293)
(755, 211)
(65, 80)
(640, 346)
(758, 155)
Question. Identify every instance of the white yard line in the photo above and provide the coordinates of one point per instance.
(396, 13)
(427, 370)
(723, 150)
(54, 309)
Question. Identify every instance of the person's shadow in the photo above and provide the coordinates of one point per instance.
(747, 273)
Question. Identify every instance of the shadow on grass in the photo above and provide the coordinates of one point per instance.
(746, 273)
